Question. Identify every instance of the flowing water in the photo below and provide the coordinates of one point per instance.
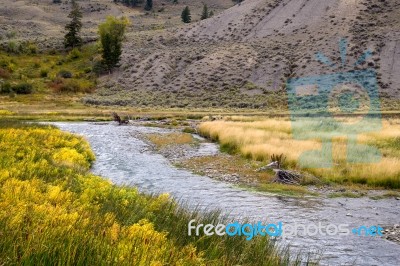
(127, 160)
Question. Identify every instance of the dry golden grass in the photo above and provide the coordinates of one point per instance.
(260, 139)
(162, 140)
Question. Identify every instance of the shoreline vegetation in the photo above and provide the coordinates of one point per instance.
(259, 139)
(63, 214)
(180, 149)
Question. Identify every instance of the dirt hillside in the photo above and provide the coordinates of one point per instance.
(240, 57)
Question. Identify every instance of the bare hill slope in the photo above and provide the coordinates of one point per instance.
(239, 56)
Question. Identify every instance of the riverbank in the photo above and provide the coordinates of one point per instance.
(64, 214)
(199, 155)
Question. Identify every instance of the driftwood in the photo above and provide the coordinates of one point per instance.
(287, 177)
(118, 119)
(282, 176)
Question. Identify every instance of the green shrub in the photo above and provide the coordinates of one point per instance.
(87, 70)
(12, 47)
(44, 73)
(28, 48)
(23, 88)
(65, 74)
(5, 87)
(74, 54)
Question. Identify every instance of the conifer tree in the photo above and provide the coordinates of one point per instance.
(186, 17)
(72, 38)
(204, 14)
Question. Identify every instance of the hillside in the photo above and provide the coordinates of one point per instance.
(240, 56)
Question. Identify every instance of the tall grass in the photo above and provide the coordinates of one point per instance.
(53, 211)
(260, 139)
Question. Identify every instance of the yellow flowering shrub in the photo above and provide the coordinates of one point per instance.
(53, 211)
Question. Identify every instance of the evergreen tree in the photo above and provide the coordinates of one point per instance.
(149, 5)
(186, 17)
(72, 38)
(111, 36)
(210, 14)
(204, 15)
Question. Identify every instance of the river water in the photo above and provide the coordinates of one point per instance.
(124, 159)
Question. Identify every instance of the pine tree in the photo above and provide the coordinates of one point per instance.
(149, 5)
(72, 38)
(186, 17)
(210, 14)
(204, 15)
(111, 36)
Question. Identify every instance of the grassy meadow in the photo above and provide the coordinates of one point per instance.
(53, 211)
(258, 139)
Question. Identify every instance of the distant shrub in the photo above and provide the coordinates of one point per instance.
(5, 87)
(25, 47)
(87, 70)
(44, 73)
(12, 47)
(32, 48)
(23, 88)
(74, 54)
(65, 74)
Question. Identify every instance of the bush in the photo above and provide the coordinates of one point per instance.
(44, 73)
(65, 74)
(12, 47)
(74, 54)
(22, 88)
(28, 48)
(5, 87)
